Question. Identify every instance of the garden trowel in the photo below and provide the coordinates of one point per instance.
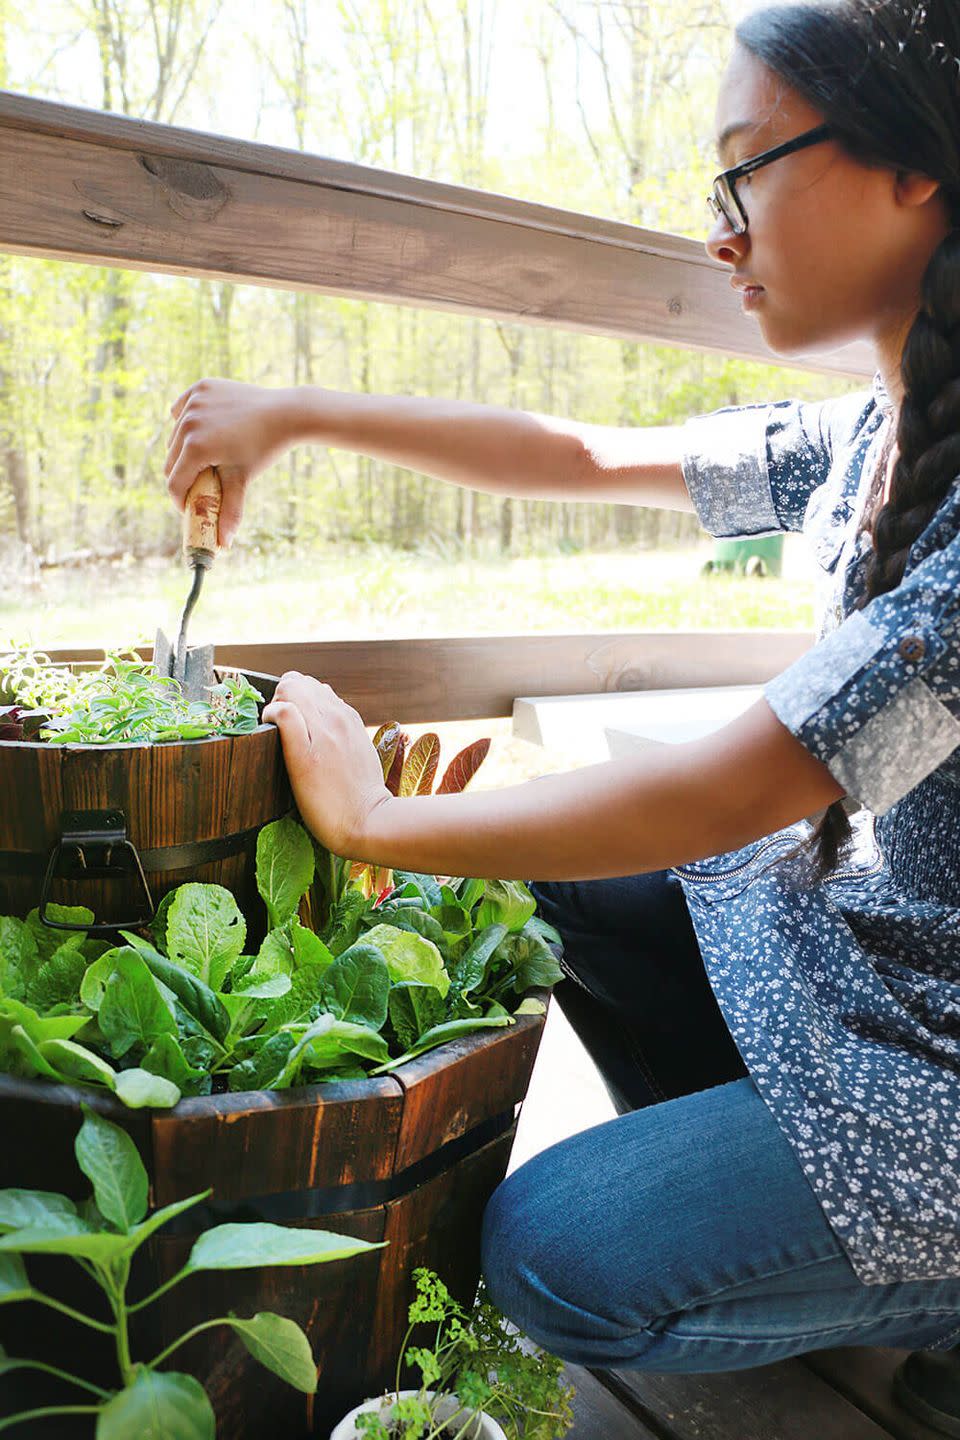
(194, 667)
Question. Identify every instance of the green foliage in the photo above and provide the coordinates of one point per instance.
(285, 867)
(151, 1020)
(126, 700)
(150, 1403)
(473, 1362)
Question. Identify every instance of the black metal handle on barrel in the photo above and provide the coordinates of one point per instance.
(93, 845)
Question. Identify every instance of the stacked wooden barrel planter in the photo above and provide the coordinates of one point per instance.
(411, 1158)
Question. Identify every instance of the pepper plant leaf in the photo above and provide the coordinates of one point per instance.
(281, 1346)
(22, 1208)
(111, 1161)
(248, 1246)
(66, 1237)
(14, 1282)
(159, 1405)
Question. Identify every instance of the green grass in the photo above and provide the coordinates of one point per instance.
(376, 594)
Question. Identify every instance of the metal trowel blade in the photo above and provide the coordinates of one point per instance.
(163, 654)
(198, 672)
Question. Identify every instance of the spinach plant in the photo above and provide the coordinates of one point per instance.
(102, 1237)
(186, 1008)
(125, 700)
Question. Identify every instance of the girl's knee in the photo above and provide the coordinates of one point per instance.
(530, 1278)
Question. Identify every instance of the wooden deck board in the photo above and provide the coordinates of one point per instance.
(598, 1414)
(786, 1401)
(864, 1377)
(841, 1394)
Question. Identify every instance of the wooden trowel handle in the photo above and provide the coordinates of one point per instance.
(201, 517)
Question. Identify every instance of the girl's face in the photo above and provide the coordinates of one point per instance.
(838, 247)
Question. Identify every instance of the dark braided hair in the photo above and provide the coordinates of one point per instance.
(886, 75)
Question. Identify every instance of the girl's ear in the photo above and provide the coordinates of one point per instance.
(913, 189)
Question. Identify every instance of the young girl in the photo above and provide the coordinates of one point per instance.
(774, 1002)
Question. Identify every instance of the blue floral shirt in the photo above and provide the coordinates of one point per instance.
(844, 997)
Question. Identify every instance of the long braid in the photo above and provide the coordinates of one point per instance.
(928, 464)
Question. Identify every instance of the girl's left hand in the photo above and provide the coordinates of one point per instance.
(335, 772)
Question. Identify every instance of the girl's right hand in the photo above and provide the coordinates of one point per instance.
(241, 429)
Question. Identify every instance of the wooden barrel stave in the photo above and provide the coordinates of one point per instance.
(170, 795)
(263, 1150)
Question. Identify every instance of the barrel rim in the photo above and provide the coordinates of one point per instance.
(127, 745)
(224, 1104)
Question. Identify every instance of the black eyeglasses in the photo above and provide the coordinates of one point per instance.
(726, 202)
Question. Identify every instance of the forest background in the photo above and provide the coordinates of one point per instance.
(602, 106)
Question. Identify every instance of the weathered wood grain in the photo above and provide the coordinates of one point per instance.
(450, 1090)
(479, 677)
(864, 1377)
(170, 795)
(262, 1143)
(772, 1402)
(151, 197)
(600, 1415)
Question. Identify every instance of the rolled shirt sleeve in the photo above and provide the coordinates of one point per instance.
(878, 699)
(751, 469)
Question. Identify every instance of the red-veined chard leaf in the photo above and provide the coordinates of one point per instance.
(463, 767)
(420, 765)
(396, 769)
(385, 742)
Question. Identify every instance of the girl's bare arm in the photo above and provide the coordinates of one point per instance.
(668, 806)
(244, 428)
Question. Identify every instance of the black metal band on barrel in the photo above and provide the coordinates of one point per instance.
(166, 859)
(297, 1205)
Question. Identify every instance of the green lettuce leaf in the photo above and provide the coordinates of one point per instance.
(48, 939)
(356, 985)
(133, 1012)
(285, 865)
(440, 1034)
(19, 957)
(505, 902)
(205, 932)
(409, 956)
(414, 1009)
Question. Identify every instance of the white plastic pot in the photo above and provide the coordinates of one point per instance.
(482, 1427)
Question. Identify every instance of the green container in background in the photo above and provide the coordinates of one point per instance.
(758, 555)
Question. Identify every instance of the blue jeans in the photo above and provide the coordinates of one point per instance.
(682, 1235)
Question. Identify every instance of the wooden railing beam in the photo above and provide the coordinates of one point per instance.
(99, 188)
(478, 678)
